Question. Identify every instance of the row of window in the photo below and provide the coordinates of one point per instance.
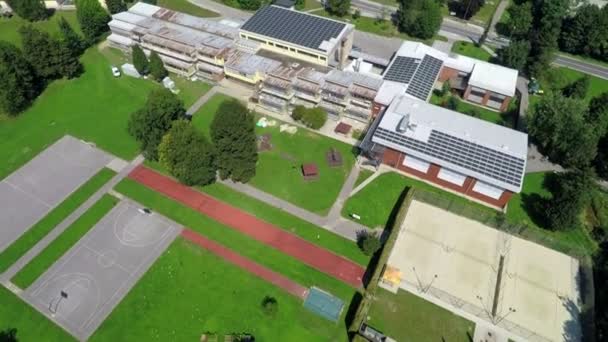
(287, 48)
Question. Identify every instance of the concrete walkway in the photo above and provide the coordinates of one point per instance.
(201, 101)
(50, 237)
(502, 6)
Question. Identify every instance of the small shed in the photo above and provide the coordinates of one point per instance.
(333, 157)
(310, 171)
(264, 142)
(129, 70)
(342, 128)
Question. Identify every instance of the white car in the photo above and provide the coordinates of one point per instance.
(145, 211)
(115, 71)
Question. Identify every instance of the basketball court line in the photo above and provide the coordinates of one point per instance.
(28, 194)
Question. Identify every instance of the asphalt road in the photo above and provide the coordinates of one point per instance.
(588, 68)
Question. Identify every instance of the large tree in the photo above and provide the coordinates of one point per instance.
(338, 7)
(419, 18)
(520, 19)
(116, 6)
(187, 154)
(569, 197)
(157, 67)
(514, 55)
(598, 113)
(149, 124)
(558, 124)
(70, 38)
(233, 133)
(31, 10)
(93, 19)
(548, 16)
(468, 8)
(19, 84)
(140, 61)
(601, 160)
(586, 32)
(578, 89)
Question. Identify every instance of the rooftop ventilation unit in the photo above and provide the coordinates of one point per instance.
(403, 123)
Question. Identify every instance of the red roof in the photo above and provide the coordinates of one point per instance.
(342, 128)
(310, 169)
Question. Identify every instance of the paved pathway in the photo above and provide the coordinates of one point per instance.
(502, 6)
(246, 264)
(50, 237)
(201, 101)
(290, 244)
(524, 102)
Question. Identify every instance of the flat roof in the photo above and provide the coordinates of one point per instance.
(491, 153)
(494, 77)
(303, 29)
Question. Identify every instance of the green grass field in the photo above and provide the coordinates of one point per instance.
(469, 49)
(406, 317)
(53, 218)
(66, 240)
(278, 171)
(30, 324)
(187, 7)
(375, 202)
(9, 28)
(363, 175)
(189, 291)
(246, 246)
(559, 77)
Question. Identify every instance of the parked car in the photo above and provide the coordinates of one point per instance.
(115, 71)
(145, 211)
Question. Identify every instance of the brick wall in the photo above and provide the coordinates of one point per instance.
(395, 158)
(486, 97)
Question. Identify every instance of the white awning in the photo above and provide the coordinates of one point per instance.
(487, 190)
(416, 164)
(451, 176)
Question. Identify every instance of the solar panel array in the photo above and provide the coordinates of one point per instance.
(424, 79)
(293, 26)
(466, 154)
(402, 69)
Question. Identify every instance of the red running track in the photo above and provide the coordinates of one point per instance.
(310, 254)
(246, 264)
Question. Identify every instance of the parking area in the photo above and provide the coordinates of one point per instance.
(81, 289)
(29, 193)
(459, 261)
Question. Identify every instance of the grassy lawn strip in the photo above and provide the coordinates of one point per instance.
(37, 266)
(190, 291)
(469, 49)
(9, 28)
(187, 7)
(377, 199)
(406, 317)
(30, 324)
(189, 91)
(507, 118)
(363, 175)
(242, 244)
(53, 218)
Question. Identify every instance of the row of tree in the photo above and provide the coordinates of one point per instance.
(154, 66)
(586, 32)
(164, 133)
(419, 18)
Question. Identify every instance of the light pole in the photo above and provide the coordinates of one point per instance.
(495, 319)
(423, 288)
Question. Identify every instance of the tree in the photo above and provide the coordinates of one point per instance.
(31, 10)
(598, 113)
(338, 7)
(149, 124)
(8, 335)
(419, 18)
(368, 243)
(187, 154)
(569, 198)
(601, 160)
(233, 133)
(520, 19)
(157, 68)
(270, 306)
(250, 5)
(140, 61)
(586, 32)
(69, 66)
(41, 51)
(116, 6)
(93, 19)
(451, 103)
(559, 126)
(468, 8)
(19, 84)
(578, 89)
(298, 112)
(548, 16)
(514, 55)
(70, 38)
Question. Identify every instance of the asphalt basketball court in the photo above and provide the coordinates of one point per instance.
(82, 288)
(457, 260)
(29, 193)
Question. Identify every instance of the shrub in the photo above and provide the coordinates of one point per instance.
(369, 243)
(270, 306)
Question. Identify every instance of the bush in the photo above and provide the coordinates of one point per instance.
(270, 306)
(298, 113)
(314, 118)
(451, 103)
(369, 243)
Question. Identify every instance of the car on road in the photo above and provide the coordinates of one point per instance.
(145, 211)
(115, 71)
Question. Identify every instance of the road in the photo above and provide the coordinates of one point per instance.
(588, 68)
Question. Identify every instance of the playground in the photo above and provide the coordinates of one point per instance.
(522, 287)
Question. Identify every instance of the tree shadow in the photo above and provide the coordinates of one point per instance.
(572, 331)
(351, 312)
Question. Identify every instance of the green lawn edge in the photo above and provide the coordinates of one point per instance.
(39, 230)
(66, 240)
(234, 240)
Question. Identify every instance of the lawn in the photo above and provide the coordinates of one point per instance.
(95, 107)
(375, 202)
(469, 49)
(246, 246)
(187, 7)
(190, 91)
(406, 317)
(363, 175)
(189, 291)
(30, 324)
(573, 242)
(485, 13)
(52, 219)
(506, 119)
(278, 171)
(9, 27)
(66, 240)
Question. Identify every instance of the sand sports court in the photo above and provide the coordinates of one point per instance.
(460, 261)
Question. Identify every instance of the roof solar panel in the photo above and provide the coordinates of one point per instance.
(402, 69)
(466, 154)
(424, 78)
(293, 26)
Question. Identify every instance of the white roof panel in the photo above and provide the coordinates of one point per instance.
(494, 77)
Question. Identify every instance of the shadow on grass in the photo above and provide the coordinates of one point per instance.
(535, 205)
(351, 312)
